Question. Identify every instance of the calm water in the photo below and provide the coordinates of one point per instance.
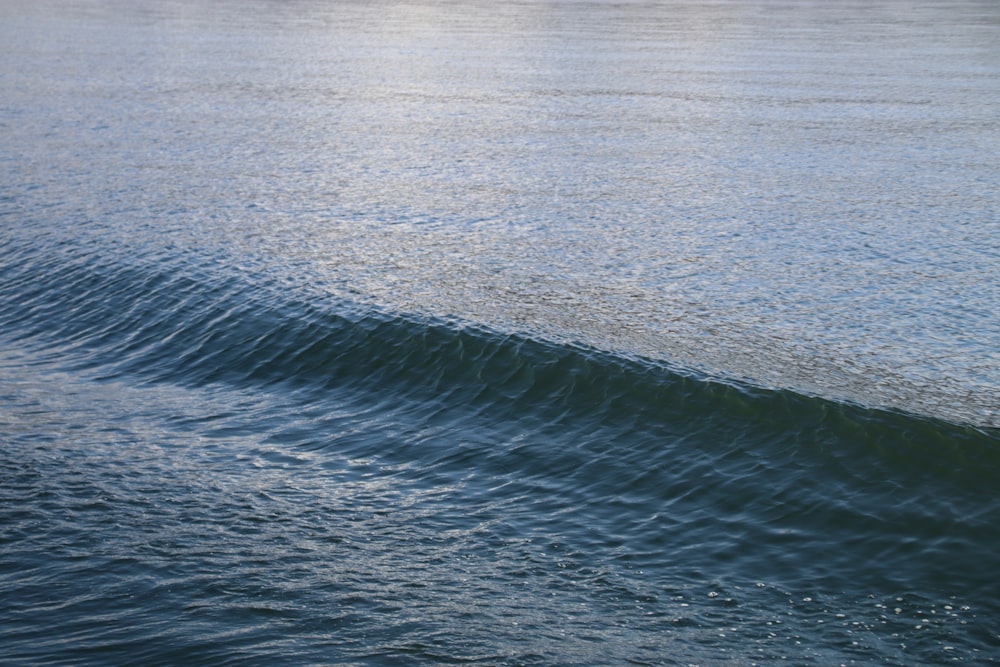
(555, 333)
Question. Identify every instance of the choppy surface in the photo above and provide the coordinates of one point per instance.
(355, 332)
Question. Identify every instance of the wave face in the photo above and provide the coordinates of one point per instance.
(370, 334)
(202, 469)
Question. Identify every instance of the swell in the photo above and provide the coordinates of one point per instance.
(728, 478)
(195, 326)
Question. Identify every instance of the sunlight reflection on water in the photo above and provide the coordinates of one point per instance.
(802, 196)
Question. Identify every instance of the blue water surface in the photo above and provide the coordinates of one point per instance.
(555, 333)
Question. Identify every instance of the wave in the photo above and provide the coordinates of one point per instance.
(196, 326)
(727, 477)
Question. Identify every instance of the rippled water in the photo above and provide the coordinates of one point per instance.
(542, 333)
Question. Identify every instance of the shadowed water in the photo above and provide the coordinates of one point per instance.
(549, 333)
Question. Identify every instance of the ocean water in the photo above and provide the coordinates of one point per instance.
(529, 333)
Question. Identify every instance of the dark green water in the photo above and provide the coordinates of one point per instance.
(550, 333)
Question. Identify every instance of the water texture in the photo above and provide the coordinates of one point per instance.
(546, 333)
